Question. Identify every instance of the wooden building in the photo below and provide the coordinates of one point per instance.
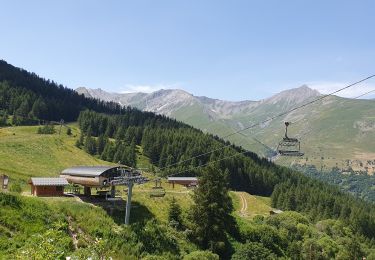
(48, 186)
(93, 176)
(186, 181)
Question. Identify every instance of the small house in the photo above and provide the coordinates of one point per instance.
(185, 181)
(48, 186)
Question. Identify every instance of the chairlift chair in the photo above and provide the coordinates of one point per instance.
(289, 146)
(157, 190)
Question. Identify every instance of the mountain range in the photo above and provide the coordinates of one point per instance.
(335, 132)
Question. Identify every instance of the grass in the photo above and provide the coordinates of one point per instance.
(24, 153)
(330, 129)
(158, 206)
(256, 205)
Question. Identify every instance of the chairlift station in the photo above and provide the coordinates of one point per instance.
(105, 177)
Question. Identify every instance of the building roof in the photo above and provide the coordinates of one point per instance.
(182, 179)
(87, 171)
(49, 181)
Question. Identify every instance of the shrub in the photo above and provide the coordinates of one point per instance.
(253, 250)
(201, 255)
(15, 187)
(9, 200)
(47, 129)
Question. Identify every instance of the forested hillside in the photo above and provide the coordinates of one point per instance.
(30, 98)
(169, 146)
(331, 224)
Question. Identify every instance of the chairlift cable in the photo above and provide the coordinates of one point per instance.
(243, 152)
(269, 119)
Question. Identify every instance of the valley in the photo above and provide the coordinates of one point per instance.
(229, 210)
(334, 133)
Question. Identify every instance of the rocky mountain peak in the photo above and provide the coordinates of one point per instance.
(294, 95)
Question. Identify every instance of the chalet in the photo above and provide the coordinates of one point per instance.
(48, 186)
(186, 181)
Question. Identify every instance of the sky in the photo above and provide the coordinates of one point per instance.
(232, 50)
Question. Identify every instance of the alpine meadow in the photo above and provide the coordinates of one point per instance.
(187, 130)
(312, 222)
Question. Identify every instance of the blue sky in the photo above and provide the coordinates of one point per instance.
(230, 50)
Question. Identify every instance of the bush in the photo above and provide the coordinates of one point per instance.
(69, 131)
(9, 200)
(156, 238)
(15, 187)
(253, 250)
(201, 255)
(47, 129)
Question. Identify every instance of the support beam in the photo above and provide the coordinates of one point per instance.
(87, 191)
(113, 191)
(128, 203)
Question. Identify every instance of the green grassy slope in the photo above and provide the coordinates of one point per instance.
(336, 129)
(24, 153)
(69, 227)
(255, 205)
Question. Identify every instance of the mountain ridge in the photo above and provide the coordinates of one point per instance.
(173, 99)
(336, 129)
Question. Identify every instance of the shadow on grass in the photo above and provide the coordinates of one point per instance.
(116, 209)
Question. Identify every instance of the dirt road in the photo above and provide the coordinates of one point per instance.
(244, 204)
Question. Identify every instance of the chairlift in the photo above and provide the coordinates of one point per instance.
(289, 146)
(157, 190)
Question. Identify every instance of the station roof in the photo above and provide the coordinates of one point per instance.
(49, 181)
(182, 179)
(87, 171)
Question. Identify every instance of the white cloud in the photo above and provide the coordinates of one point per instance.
(130, 88)
(352, 92)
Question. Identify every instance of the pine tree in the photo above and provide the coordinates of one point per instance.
(174, 213)
(3, 119)
(100, 144)
(211, 211)
(108, 152)
(132, 154)
(118, 155)
(90, 145)
(24, 109)
(39, 109)
(80, 141)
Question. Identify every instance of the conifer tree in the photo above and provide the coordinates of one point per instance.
(108, 152)
(100, 144)
(211, 211)
(90, 145)
(80, 141)
(174, 213)
(39, 109)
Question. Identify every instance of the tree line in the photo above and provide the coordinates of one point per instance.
(29, 98)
